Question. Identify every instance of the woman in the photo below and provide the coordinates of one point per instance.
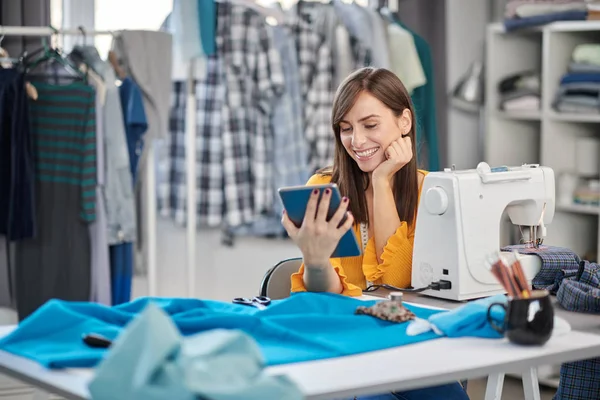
(376, 171)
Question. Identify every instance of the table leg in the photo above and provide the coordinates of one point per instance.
(531, 386)
(493, 389)
(39, 394)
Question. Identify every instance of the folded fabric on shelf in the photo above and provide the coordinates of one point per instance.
(535, 9)
(568, 106)
(513, 24)
(525, 103)
(527, 98)
(578, 67)
(513, 8)
(151, 360)
(587, 53)
(302, 327)
(575, 95)
(525, 80)
(580, 77)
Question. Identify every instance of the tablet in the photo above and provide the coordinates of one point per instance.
(295, 199)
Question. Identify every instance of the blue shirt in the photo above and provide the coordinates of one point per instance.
(134, 118)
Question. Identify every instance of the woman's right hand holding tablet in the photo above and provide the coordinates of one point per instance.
(317, 238)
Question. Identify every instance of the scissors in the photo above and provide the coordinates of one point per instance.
(260, 302)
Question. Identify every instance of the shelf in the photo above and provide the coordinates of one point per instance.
(578, 208)
(571, 117)
(520, 115)
(573, 26)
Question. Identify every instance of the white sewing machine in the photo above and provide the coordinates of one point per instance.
(458, 225)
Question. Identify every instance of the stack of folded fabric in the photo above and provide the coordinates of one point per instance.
(579, 90)
(529, 13)
(520, 91)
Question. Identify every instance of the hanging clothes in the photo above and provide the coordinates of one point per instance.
(423, 98)
(56, 263)
(254, 80)
(17, 175)
(100, 290)
(316, 73)
(185, 27)
(120, 201)
(365, 27)
(348, 52)
(17, 206)
(207, 15)
(290, 148)
(136, 126)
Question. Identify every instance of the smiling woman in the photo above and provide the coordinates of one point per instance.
(377, 174)
(376, 171)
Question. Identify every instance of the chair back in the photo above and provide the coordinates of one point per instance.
(276, 283)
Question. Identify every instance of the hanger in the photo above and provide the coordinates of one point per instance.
(273, 15)
(49, 55)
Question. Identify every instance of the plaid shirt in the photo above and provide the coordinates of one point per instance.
(558, 263)
(577, 287)
(316, 76)
(254, 79)
(579, 380)
(581, 292)
(234, 139)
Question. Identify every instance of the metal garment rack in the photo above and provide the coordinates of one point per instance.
(150, 181)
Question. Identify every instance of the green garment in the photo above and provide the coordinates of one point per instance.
(423, 99)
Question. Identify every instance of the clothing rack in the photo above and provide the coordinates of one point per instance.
(150, 181)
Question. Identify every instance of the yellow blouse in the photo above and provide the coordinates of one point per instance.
(354, 272)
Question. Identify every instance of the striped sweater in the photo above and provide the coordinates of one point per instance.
(64, 126)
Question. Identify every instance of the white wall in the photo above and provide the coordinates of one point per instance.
(465, 37)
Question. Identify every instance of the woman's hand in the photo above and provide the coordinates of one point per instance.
(317, 238)
(398, 154)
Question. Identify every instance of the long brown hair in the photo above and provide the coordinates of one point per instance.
(387, 88)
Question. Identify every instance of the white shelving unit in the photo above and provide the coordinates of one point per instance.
(546, 136)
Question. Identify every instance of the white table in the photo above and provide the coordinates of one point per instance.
(423, 364)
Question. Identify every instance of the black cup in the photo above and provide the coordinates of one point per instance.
(527, 321)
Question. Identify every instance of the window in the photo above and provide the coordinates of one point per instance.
(111, 15)
(130, 14)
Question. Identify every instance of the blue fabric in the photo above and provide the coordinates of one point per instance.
(207, 15)
(471, 319)
(151, 360)
(529, 22)
(121, 272)
(303, 327)
(136, 124)
(580, 77)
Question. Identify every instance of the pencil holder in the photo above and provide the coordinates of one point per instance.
(528, 321)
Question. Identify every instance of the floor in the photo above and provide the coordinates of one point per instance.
(512, 390)
(224, 272)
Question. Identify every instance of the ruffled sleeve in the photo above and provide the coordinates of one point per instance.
(348, 288)
(396, 260)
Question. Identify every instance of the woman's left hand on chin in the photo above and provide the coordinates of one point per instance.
(398, 154)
